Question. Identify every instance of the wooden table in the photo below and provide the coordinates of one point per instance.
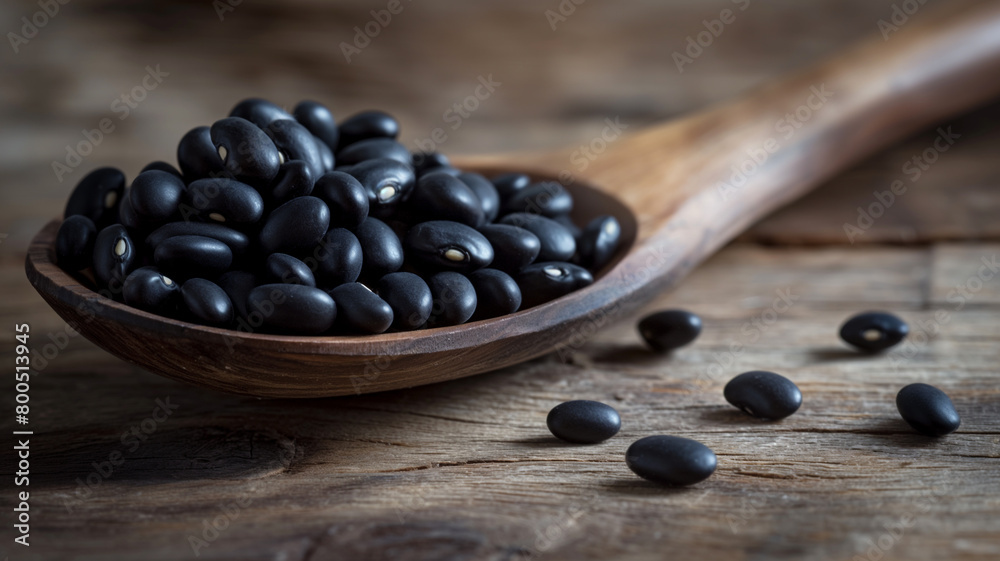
(127, 465)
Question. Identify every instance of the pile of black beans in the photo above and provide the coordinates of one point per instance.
(293, 223)
(678, 461)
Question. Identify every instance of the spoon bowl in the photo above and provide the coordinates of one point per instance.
(680, 190)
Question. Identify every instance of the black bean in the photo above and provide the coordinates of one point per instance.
(557, 243)
(439, 196)
(497, 294)
(346, 198)
(489, 199)
(75, 243)
(149, 290)
(874, 331)
(295, 179)
(583, 422)
(295, 142)
(198, 157)
(670, 329)
(373, 148)
(97, 196)
(442, 244)
(156, 195)
(513, 248)
(206, 302)
(570, 226)
(927, 409)
(387, 183)
(426, 162)
(764, 395)
(542, 282)
(670, 460)
(359, 310)
(508, 184)
(163, 166)
(283, 268)
(454, 299)
(114, 256)
(222, 200)
(325, 155)
(367, 124)
(292, 308)
(238, 285)
(248, 153)
(260, 112)
(409, 297)
(237, 241)
(598, 242)
(186, 257)
(295, 227)
(127, 217)
(337, 258)
(547, 198)
(319, 120)
(383, 252)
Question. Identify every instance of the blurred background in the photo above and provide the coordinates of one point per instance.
(562, 68)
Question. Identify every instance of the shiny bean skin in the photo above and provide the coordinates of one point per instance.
(547, 198)
(206, 302)
(114, 256)
(874, 331)
(367, 124)
(497, 294)
(250, 155)
(442, 244)
(222, 200)
(383, 252)
(598, 242)
(295, 179)
(513, 248)
(507, 184)
(295, 142)
(283, 268)
(295, 227)
(238, 285)
(667, 330)
(156, 195)
(127, 217)
(557, 243)
(439, 196)
(260, 112)
(928, 410)
(454, 299)
(198, 157)
(237, 241)
(149, 290)
(326, 156)
(543, 282)
(97, 196)
(409, 297)
(359, 310)
(489, 199)
(371, 149)
(162, 166)
(337, 258)
(427, 162)
(671, 460)
(387, 183)
(763, 394)
(346, 198)
(187, 257)
(319, 120)
(75, 243)
(292, 308)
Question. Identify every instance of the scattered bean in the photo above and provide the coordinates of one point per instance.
(584, 422)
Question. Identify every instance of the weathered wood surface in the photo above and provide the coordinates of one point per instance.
(466, 469)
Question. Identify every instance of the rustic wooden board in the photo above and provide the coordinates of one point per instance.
(467, 470)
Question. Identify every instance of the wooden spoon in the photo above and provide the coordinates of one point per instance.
(680, 191)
